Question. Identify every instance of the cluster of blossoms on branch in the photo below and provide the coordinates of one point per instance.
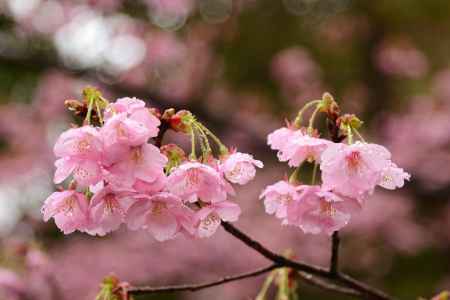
(350, 171)
(116, 176)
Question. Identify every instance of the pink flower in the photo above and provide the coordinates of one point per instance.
(209, 217)
(81, 143)
(84, 172)
(136, 111)
(69, 209)
(316, 210)
(393, 177)
(123, 105)
(303, 147)
(240, 167)
(12, 287)
(81, 151)
(150, 188)
(122, 130)
(295, 146)
(278, 139)
(107, 210)
(277, 197)
(144, 163)
(353, 170)
(193, 181)
(163, 215)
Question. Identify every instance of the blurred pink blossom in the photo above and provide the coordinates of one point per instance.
(401, 58)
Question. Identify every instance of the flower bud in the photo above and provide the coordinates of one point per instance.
(349, 120)
(329, 105)
(181, 121)
(175, 155)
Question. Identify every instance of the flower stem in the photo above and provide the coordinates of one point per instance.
(359, 135)
(89, 112)
(99, 113)
(266, 285)
(311, 120)
(314, 174)
(349, 135)
(294, 176)
(204, 138)
(223, 148)
(299, 118)
(193, 154)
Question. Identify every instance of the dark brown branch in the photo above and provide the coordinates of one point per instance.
(366, 291)
(276, 258)
(195, 287)
(328, 286)
(334, 253)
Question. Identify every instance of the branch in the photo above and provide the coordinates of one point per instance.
(195, 287)
(367, 291)
(334, 253)
(328, 286)
(276, 258)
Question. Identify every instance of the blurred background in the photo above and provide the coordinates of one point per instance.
(241, 66)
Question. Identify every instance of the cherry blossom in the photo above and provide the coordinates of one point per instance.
(393, 177)
(122, 130)
(136, 111)
(193, 181)
(278, 139)
(353, 170)
(303, 147)
(80, 152)
(163, 215)
(316, 210)
(209, 217)
(107, 209)
(240, 167)
(277, 197)
(69, 209)
(144, 163)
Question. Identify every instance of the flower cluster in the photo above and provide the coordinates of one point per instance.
(118, 177)
(349, 172)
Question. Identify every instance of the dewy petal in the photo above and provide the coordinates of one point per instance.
(148, 120)
(209, 221)
(277, 197)
(69, 210)
(240, 167)
(278, 139)
(136, 215)
(163, 227)
(123, 105)
(108, 209)
(353, 170)
(64, 167)
(55, 203)
(87, 173)
(193, 180)
(82, 142)
(393, 177)
(227, 211)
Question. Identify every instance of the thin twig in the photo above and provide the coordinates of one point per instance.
(195, 287)
(366, 291)
(334, 253)
(325, 285)
(276, 258)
